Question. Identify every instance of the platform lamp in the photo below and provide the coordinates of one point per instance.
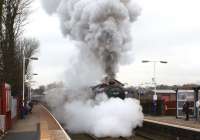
(23, 73)
(30, 84)
(154, 74)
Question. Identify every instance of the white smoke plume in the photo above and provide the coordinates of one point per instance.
(108, 118)
(101, 30)
(102, 27)
(50, 5)
(100, 116)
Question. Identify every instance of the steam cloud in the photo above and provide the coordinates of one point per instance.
(101, 30)
(100, 26)
(101, 116)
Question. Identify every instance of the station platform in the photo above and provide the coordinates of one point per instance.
(192, 124)
(38, 125)
(169, 128)
(41, 125)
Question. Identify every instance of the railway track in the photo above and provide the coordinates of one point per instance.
(108, 138)
(92, 137)
(138, 137)
(135, 136)
(142, 137)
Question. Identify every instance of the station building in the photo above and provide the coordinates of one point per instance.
(192, 95)
(9, 107)
(170, 102)
(166, 100)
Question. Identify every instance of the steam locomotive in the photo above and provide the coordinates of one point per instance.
(111, 87)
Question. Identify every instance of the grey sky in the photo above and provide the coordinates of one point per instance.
(166, 30)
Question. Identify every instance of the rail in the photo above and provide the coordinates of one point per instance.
(92, 136)
(146, 137)
(120, 138)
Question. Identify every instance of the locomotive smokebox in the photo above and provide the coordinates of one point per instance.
(111, 87)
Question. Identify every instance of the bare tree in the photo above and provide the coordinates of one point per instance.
(1, 14)
(31, 47)
(1, 36)
(13, 18)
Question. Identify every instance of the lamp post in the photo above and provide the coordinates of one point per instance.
(154, 71)
(141, 89)
(23, 73)
(154, 81)
(29, 75)
(29, 83)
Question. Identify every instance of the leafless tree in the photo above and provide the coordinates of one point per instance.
(1, 36)
(1, 16)
(14, 15)
(30, 46)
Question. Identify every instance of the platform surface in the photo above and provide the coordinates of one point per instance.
(181, 122)
(39, 125)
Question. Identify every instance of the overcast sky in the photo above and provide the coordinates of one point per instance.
(166, 30)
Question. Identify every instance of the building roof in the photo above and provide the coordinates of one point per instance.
(187, 91)
(165, 91)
